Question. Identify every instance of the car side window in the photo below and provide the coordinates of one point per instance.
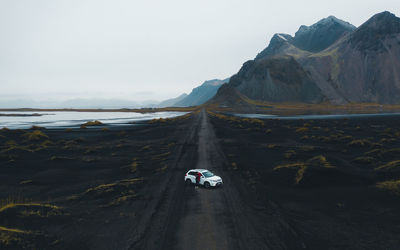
(192, 173)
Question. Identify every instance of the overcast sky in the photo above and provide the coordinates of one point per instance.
(145, 49)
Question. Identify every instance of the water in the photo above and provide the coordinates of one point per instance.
(75, 119)
(315, 117)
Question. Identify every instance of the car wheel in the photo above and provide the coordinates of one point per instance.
(188, 182)
(206, 184)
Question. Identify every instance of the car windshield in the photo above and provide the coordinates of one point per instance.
(208, 174)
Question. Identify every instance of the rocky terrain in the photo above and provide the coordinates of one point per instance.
(330, 61)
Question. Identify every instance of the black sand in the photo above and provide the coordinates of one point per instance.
(287, 185)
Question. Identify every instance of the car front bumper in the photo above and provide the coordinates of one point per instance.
(216, 184)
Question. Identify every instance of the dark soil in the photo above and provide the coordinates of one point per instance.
(335, 207)
(81, 188)
(287, 185)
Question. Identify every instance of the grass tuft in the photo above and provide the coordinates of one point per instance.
(364, 160)
(360, 143)
(35, 135)
(392, 186)
(302, 130)
(92, 123)
(13, 230)
(302, 167)
(393, 165)
(11, 205)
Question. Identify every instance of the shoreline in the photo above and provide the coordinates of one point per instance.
(141, 110)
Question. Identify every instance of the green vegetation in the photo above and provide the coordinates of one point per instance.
(92, 123)
(123, 133)
(12, 230)
(35, 141)
(119, 192)
(36, 127)
(170, 120)
(121, 200)
(289, 154)
(134, 165)
(360, 143)
(272, 146)
(161, 157)
(106, 188)
(333, 138)
(388, 140)
(241, 122)
(382, 152)
(302, 167)
(364, 160)
(26, 212)
(163, 168)
(29, 205)
(25, 182)
(146, 148)
(392, 186)
(307, 148)
(393, 165)
(302, 130)
(70, 145)
(60, 158)
(234, 166)
(35, 135)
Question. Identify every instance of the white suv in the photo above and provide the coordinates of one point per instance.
(207, 179)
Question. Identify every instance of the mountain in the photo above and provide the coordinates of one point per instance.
(198, 96)
(279, 79)
(228, 96)
(171, 102)
(329, 61)
(77, 103)
(363, 66)
(314, 38)
(321, 35)
(202, 94)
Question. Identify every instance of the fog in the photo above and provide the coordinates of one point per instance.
(54, 51)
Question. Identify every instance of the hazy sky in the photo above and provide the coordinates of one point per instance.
(143, 49)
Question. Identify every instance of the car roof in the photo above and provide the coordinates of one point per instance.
(198, 170)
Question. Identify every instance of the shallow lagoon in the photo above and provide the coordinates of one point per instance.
(315, 117)
(67, 119)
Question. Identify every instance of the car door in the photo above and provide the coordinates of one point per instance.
(202, 179)
(192, 176)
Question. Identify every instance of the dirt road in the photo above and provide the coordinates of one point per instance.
(199, 218)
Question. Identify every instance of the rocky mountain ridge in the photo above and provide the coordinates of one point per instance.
(330, 61)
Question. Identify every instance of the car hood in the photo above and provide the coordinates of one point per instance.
(214, 178)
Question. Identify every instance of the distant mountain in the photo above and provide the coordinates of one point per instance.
(198, 96)
(78, 103)
(202, 93)
(171, 102)
(328, 61)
